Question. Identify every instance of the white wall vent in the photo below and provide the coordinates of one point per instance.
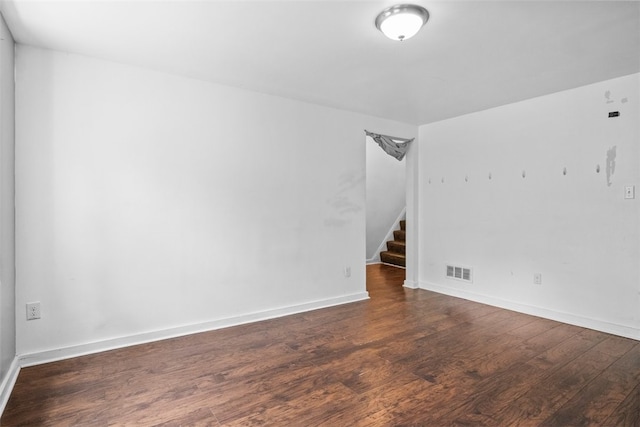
(460, 273)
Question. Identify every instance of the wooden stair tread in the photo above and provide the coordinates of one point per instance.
(397, 246)
(393, 258)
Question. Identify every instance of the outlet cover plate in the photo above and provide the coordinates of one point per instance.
(33, 310)
(630, 192)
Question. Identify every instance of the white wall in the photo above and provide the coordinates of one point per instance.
(386, 184)
(7, 240)
(148, 202)
(577, 230)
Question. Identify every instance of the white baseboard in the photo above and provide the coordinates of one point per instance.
(9, 380)
(38, 358)
(572, 319)
(394, 265)
(411, 284)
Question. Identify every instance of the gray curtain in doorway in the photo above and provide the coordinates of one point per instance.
(393, 146)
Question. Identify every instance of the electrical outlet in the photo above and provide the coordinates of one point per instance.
(347, 272)
(33, 310)
(630, 192)
(537, 279)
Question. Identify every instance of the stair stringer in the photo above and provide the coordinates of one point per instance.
(396, 225)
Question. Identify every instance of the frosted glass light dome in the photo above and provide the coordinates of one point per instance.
(402, 21)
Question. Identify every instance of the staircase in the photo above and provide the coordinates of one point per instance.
(396, 248)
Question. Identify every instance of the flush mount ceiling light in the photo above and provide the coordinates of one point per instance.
(402, 21)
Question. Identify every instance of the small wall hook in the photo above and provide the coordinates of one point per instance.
(564, 171)
(598, 169)
(524, 174)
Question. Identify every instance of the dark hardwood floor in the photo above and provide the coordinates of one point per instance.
(405, 357)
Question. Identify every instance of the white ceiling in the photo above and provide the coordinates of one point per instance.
(470, 56)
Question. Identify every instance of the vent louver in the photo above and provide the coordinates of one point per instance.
(459, 273)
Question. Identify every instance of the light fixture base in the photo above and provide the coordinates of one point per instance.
(402, 21)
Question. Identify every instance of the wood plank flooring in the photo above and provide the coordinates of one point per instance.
(405, 357)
